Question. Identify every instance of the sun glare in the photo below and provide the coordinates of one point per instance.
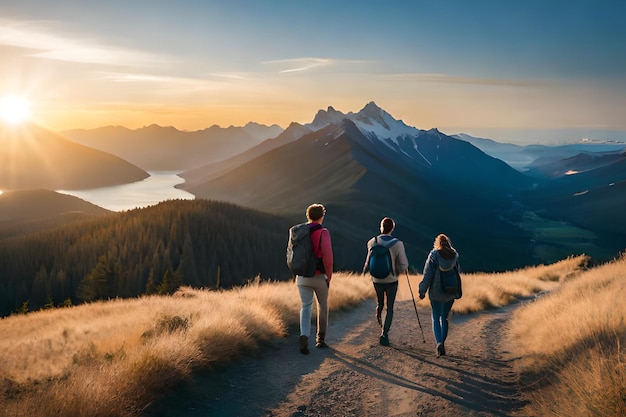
(14, 109)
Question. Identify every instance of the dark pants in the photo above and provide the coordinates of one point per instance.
(390, 290)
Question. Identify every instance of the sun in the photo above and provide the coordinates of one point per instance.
(15, 109)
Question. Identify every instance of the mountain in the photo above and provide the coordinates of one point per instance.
(511, 154)
(366, 165)
(156, 148)
(584, 162)
(33, 157)
(195, 177)
(25, 211)
(525, 158)
(37, 204)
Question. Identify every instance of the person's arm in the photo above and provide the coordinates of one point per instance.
(429, 269)
(402, 262)
(327, 254)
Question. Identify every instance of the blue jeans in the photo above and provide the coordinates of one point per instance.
(440, 311)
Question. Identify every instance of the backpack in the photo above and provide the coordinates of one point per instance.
(301, 259)
(380, 264)
(446, 284)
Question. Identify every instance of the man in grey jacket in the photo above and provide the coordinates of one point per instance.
(387, 287)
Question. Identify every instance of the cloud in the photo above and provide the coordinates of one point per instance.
(309, 63)
(451, 79)
(49, 42)
(299, 64)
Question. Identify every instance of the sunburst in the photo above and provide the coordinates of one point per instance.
(15, 109)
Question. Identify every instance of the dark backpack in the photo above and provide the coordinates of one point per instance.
(301, 259)
(446, 284)
(380, 264)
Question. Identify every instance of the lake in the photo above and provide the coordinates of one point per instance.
(159, 186)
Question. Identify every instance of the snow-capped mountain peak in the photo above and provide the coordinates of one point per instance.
(372, 121)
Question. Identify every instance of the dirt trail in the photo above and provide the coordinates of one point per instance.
(358, 377)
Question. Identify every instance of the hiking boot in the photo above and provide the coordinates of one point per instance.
(319, 340)
(384, 340)
(443, 349)
(304, 349)
(440, 350)
(321, 344)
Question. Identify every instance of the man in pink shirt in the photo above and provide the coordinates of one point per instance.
(318, 284)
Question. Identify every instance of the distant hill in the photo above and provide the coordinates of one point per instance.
(196, 177)
(33, 157)
(37, 204)
(25, 211)
(529, 157)
(157, 148)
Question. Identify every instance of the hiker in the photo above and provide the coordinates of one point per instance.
(443, 257)
(385, 275)
(319, 283)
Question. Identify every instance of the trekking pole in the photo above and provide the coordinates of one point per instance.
(415, 306)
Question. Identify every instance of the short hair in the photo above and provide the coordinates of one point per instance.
(315, 212)
(387, 225)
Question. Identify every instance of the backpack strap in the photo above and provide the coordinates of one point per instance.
(314, 228)
(320, 262)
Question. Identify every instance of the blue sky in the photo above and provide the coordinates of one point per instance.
(509, 70)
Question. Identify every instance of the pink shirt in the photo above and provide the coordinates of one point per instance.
(324, 251)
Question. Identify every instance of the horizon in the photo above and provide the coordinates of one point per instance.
(521, 137)
(508, 72)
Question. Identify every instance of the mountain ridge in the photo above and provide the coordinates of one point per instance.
(34, 157)
(158, 148)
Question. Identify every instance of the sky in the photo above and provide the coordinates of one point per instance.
(513, 71)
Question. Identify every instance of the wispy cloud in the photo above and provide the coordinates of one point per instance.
(299, 64)
(47, 40)
(308, 63)
(452, 79)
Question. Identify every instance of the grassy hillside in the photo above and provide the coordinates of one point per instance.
(574, 344)
(116, 357)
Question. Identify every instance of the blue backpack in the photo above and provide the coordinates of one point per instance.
(380, 264)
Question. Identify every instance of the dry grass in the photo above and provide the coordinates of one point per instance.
(117, 357)
(573, 340)
(484, 291)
